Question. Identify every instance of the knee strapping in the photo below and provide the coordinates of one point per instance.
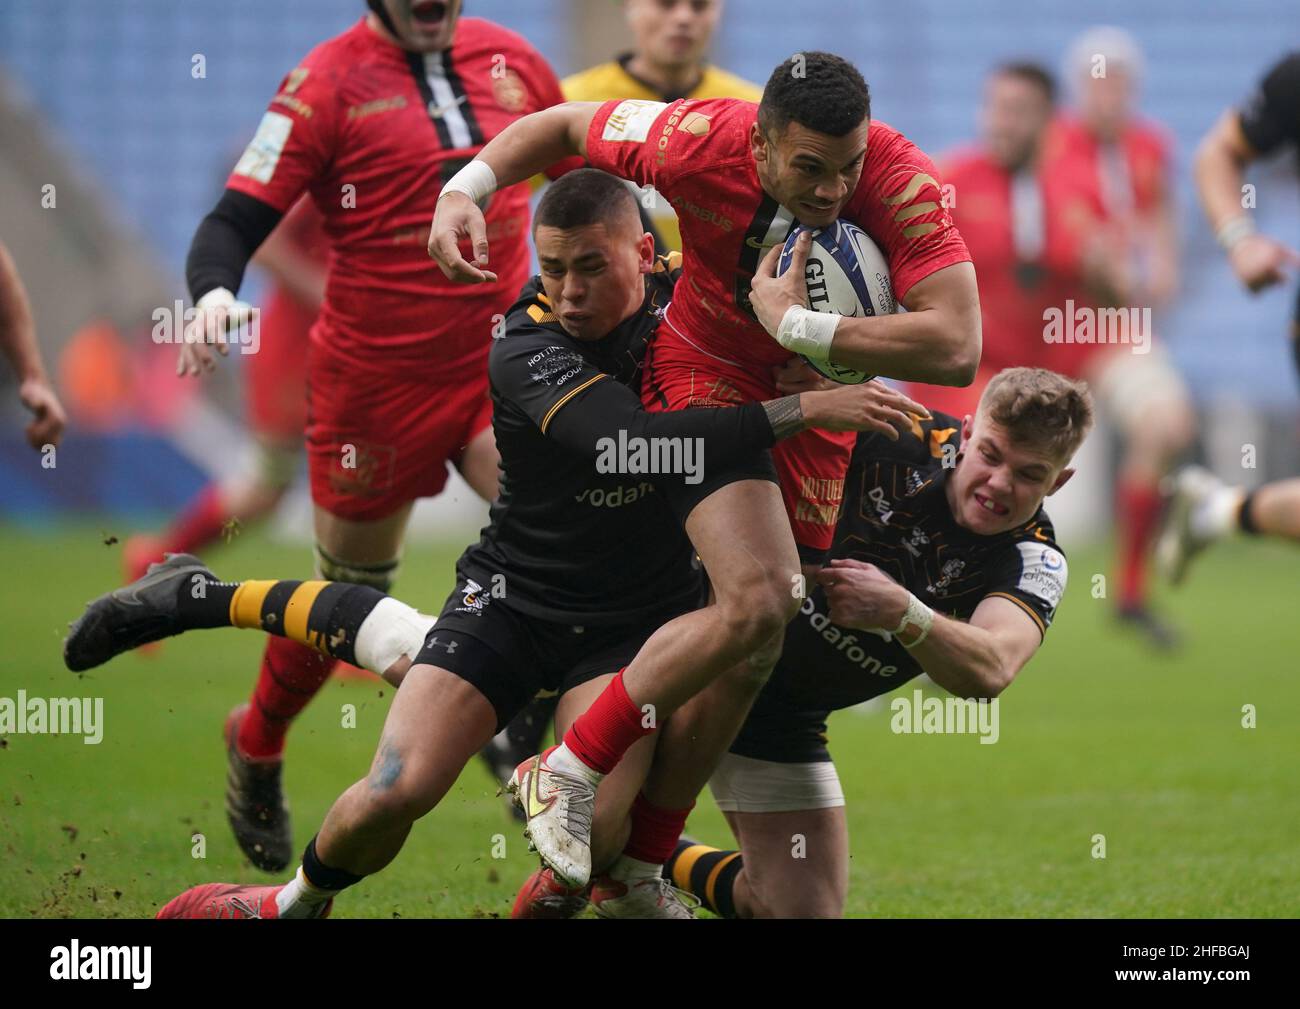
(378, 576)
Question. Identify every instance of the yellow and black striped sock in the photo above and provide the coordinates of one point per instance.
(709, 873)
(322, 615)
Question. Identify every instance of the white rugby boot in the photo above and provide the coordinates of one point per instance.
(557, 810)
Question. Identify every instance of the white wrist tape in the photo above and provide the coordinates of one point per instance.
(476, 180)
(1234, 231)
(806, 332)
(916, 623)
(218, 297)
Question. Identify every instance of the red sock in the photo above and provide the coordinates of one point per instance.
(654, 831)
(602, 734)
(198, 525)
(1139, 507)
(291, 675)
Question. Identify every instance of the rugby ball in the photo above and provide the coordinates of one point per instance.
(846, 274)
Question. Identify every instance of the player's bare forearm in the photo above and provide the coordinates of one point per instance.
(982, 657)
(937, 340)
(17, 327)
(532, 144)
(962, 659)
(1219, 168)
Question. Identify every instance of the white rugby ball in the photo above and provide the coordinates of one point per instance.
(846, 274)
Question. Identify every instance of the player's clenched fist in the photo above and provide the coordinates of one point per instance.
(458, 217)
(218, 319)
(870, 406)
(862, 596)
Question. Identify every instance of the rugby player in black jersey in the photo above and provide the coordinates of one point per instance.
(944, 562)
(1203, 508)
(581, 561)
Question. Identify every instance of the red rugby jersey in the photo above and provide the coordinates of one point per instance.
(1015, 289)
(696, 153)
(373, 132)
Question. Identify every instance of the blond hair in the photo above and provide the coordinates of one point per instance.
(1039, 408)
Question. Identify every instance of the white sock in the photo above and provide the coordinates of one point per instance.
(633, 870)
(299, 899)
(1216, 515)
(564, 760)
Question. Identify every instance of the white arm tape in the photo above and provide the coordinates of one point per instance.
(806, 332)
(218, 297)
(918, 617)
(1234, 231)
(476, 180)
(391, 630)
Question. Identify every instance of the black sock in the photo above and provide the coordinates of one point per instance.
(321, 875)
(709, 873)
(1245, 520)
(204, 602)
(334, 610)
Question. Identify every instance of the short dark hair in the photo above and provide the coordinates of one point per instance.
(583, 197)
(1034, 73)
(820, 91)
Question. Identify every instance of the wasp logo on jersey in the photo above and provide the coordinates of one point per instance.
(950, 571)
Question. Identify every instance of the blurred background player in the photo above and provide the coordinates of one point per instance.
(1203, 508)
(670, 42)
(18, 345)
(1136, 249)
(275, 383)
(371, 124)
(1062, 208)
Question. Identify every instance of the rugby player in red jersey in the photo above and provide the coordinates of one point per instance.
(1128, 162)
(371, 125)
(1027, 227)
(740, 176)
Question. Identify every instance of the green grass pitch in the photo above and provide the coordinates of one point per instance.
(1201, 816)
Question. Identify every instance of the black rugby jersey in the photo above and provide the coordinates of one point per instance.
(1271, 116)
(895, 515)
(580, 533)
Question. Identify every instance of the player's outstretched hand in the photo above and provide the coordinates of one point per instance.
(862, 596)
(870, 406)
(455, 217)
(46, 427)
(219, 320)
(1258, 261)
(772, 296)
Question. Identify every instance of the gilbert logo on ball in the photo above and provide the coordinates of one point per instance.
(846, 274)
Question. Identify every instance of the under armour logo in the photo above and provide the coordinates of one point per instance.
(449, 645)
